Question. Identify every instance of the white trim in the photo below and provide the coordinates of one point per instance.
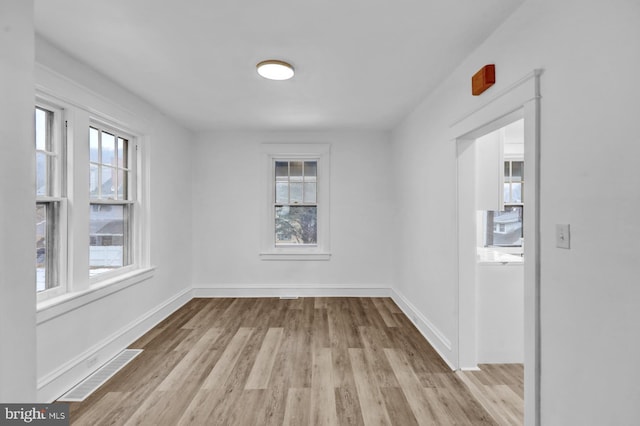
(57, 382)
(290, 290)
(523, 95)
(295, 256)
(58, 176)
(52, 308)
(74, 276)
(320, 152)
(469, 369)
(44, 91)
(110, 202)
(434, 336)
(507, 90)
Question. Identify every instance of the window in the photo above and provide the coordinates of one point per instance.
(49, 201)
(111, 200)
(505, 228)
(513, 182)
(91, 227)
(296, 210)
(296, 214)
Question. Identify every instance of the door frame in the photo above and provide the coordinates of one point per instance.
(520, 99)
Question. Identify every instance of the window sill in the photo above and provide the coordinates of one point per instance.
(294, 256)
(55, 307)
(497, 256)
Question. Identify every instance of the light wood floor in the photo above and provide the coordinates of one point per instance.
(310, 361)
(500, 390)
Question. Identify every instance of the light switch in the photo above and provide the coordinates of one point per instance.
(563, 236)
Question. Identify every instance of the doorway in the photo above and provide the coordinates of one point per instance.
(500, 214)
(491, 217)
(520, 100)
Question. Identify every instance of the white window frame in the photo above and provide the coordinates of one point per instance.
(272, 152)
(76, 287)
(511, 160)
(57, 177)
(133, 238)
(515, 249)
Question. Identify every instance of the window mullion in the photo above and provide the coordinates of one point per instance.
(99, 177)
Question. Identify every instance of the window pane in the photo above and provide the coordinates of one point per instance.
(295, 170)
(41, 173)
(108, 183)
(108, 149)
(93, 145)
(507, 193)
(296, 225)
(282, 192)
(310, 192)
(310, 171)
(42, 129)
(507, 172)
(517, 171)
(122, 184)
(505, 228)
(282, 170)
(516, 192)
(94, 181)
(41, 247)
(295, 196)
(106, 238)
(122, 152)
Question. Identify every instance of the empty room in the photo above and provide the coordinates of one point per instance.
(319, 213)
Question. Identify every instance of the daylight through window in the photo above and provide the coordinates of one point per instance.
(505, 228)
(111, 201)
(47, 200)
(295, 204)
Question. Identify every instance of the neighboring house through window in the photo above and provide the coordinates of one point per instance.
(505, 228)
(111, 197)
(90, 222)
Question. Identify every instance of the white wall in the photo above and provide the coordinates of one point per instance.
(589, 151)
(68, 343)
(228, 191)
(17, 182)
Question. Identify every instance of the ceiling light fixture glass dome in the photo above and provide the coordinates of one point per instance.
(274, 69)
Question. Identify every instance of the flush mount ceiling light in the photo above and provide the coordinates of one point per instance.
(275, 70)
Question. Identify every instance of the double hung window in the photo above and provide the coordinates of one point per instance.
(111, 200)
(296, 213)
(505, 228)
(89, 224)
(296, 208)
(49, 200)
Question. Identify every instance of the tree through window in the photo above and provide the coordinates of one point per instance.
(295, 204)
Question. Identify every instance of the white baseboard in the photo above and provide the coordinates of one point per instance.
(469, 369)
(206, 290)
(435, 337)
(59, 381)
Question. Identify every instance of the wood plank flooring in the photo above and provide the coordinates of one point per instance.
(500, 390)
(309, 361)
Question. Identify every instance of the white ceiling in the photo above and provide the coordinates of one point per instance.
(359, 63)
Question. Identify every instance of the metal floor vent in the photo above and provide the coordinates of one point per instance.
(86, 387)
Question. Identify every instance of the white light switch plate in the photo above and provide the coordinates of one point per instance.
(563, 236)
